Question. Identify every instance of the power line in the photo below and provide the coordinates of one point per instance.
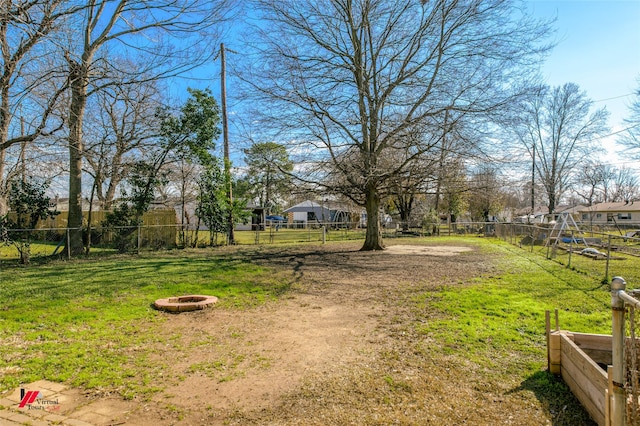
(615, 97)
(614, 133)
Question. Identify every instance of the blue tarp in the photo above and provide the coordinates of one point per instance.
(575, 240)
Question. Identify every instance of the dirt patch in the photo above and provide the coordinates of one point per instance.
(427, 250)
(339, 348)
(249, 359)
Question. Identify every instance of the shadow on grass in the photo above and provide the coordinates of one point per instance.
(557, 399)
(147, 277)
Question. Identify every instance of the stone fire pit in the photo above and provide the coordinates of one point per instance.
(185, 303)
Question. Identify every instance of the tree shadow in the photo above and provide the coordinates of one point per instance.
(556, 398)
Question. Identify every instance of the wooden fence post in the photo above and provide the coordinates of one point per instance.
(618, 400)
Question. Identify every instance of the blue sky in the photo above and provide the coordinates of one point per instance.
(598, 48)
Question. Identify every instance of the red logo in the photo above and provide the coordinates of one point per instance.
(28, 398)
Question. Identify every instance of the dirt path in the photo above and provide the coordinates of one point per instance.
(339, 348)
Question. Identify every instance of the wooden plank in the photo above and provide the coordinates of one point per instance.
(596, 346)
(584, 399)
(593, 341)
(607, 408)
(547, 328)
(609, 396)
(554, 353)
(585, 379)
(581, 360)
(600, 357)
(152, 217)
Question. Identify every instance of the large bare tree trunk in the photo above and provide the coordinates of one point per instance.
(132, 25)
(3, 193)
(78, 78)
(5, 120)
(373, 239)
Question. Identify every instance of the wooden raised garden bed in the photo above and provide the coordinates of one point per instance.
(581, 360)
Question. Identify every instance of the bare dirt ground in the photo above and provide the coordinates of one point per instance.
(339, 348)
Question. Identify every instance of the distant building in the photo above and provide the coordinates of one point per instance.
(611, 213)
(314, 213)
(62, 204)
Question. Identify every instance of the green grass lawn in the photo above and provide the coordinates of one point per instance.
(79, 322)
(9, 252)
(620, 263)
(506, 311)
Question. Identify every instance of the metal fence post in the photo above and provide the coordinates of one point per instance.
(618, 400)
(606, 272)
(549, 248)
(570, 250)
(533, 237)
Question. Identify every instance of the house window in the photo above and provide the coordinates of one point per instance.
(609, 217)
(598, 215)
(585, 216)
(624, 216)
(311, 216)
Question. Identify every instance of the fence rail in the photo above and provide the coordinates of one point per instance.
(595, 253)
(45, 241)
(611, 397)
(154, 236)
(624, 375)
(625, 389)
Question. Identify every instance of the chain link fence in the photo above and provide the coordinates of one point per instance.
(594, 252)
(600, 253)
(43, 242)
(632, 373)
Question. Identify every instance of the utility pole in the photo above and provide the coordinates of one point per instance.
(225, 135)
(533, 179)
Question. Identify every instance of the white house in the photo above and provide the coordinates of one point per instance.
(311, 212)
(611, 213)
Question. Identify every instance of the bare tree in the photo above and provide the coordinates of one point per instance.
(557, 129)
(593, 182)
(626, 185)
(454, 191)
(485, 196)
(409, 187)
(631, 136)
(599, 182)
(348, 79)
(121, 123)
(25, 31)
(171, 35)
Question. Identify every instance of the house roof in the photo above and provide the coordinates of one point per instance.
(309, 205)
(612, 207)
(570, 209)
(539, 210)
